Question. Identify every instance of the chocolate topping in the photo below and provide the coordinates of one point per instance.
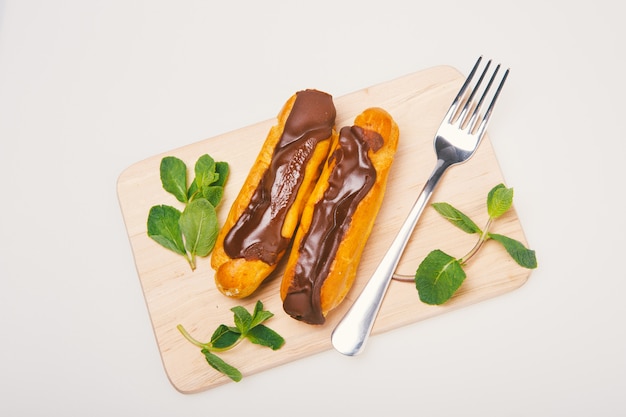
(351, 179)
(257, 233)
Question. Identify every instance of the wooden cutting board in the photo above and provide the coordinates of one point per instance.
(176, 295)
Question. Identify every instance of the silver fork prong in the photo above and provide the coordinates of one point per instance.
(452, 111)
(474, 117)
(485, 120)
(462, 119)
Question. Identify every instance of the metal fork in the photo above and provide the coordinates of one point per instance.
(455, 142)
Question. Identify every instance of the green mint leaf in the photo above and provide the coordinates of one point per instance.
(499, 200)
(224, 337)
(259, 315)
(438, 277)
(258, 307)
(264, 336)
(523, 256)
(199, 226)
(456, 217)
(222, 169)
(219, 365)
(174, 177)
(193, 191)
(243, 319)
(205, 171)
(164, 229)
(214, 194)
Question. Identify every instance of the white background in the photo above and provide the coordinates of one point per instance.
(88, 88)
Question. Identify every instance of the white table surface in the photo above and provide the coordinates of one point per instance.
(88, 88)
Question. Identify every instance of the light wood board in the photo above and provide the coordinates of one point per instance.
(176, 295)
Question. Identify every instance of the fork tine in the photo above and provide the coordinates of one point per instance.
(485, 120)
(452, 111)
(462, 119)
(474, 117)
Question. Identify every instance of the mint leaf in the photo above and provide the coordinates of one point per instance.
(243, 319)
(205, 171)
(193, 191)
(209, 181)
(174, 177)
(222, 169)
(224, 337)
(456, 217)
(259, 315)
(264, 336)
(523, 256)
(199, 226)
(258, 308)
(214, 194)
(499, 201)
(219, 365)
(164, 229)
(438, 277)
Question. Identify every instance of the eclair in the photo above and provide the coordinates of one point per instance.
(338, 217)
(263, 218)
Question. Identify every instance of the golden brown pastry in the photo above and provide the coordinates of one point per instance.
(338, 217)
(262, 220)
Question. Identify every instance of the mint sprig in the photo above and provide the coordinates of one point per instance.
(440, 275)
(247, 326)
(193, 231)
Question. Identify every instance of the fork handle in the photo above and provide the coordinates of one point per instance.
(351, 333)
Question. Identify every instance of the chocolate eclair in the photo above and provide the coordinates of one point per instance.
(263, 218)
(338, 217)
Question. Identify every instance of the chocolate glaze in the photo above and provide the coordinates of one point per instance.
(351, 179)
(257, 233)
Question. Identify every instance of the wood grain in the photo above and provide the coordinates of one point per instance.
(176, 295)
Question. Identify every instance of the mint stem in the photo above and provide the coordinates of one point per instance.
(207, 346)
(191, 260)
(187, 336)
(483, 238)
